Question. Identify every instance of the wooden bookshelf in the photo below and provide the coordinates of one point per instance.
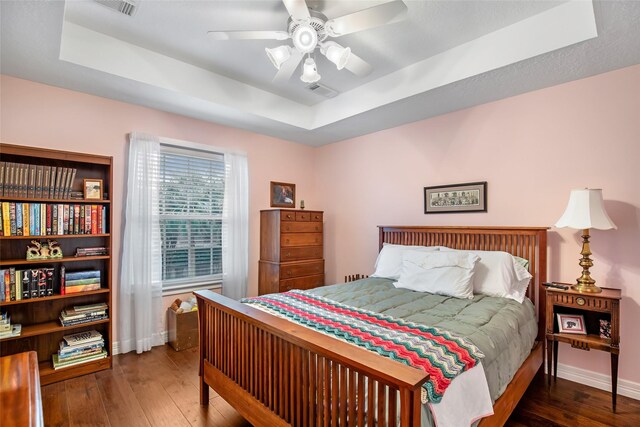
(54, 297)
(48, 327)
(64, 260)
(56, 237)
(41, 329)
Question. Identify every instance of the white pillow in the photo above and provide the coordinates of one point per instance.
(389, 262)
(442, 273)
(499, 274)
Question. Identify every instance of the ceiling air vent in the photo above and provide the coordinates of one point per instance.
(128, 7)
(322, 90)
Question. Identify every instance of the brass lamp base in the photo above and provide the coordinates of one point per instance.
(585, 283)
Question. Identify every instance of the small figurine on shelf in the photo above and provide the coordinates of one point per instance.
(302, 204)
(48, 250)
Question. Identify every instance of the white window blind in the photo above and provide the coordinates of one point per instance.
(191, 201)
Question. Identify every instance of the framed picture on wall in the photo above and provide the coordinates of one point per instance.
(283, 195)
(456, 198)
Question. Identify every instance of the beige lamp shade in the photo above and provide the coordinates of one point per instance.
(585, 210)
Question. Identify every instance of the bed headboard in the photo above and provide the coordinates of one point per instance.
(525, 242)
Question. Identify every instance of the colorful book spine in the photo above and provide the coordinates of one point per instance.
(19, 219)
(26, 218)
(6, 218)
(43, 219)
(12, 217)
(7, 285)
(94, 219)
(49, 217)
(87, 274)
(26, 280)
(63, 291)
(12, 284)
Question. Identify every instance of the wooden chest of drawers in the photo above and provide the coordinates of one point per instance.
(291, 250)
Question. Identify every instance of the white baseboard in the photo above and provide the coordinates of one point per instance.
(115, 348)
(601, 381)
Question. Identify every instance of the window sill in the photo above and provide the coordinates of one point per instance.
(211, 286)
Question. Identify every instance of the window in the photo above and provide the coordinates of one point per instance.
(191, 199)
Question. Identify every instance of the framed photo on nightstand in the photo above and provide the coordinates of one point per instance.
(571, 324)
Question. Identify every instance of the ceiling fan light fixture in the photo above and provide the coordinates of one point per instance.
(305, 38)
(335, 53)
(278, 55)
(309, 71)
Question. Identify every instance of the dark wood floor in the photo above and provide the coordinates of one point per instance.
(160, 388)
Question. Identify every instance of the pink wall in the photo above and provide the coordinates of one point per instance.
(532, 149)
(44, 116)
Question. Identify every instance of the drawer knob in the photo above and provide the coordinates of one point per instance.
(289, 216)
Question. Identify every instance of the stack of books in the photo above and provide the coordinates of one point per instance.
(79, 348)
(8, 330)
(83, 314)
(95, 251)
(81, 281)
(35, 181)
(51, 219)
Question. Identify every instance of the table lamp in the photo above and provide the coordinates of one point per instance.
(584, 211)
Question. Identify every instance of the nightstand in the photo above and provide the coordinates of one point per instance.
(593, 307)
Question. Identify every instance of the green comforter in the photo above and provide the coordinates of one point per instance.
(503, 329)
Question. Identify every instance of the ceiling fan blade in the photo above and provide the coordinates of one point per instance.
(248, 35)
(358, 66)
(297, 9)
(289, 67)
(365, 19)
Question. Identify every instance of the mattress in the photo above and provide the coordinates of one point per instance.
(503, 329)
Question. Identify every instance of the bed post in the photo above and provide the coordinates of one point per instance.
(202, 330)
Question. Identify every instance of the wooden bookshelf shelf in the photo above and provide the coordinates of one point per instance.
(49, 327)
(49, 375)
(41, 329)
(57, 201)
(54, 297)
(52, 261)
(57, 237)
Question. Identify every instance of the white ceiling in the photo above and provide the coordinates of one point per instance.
(445, 56)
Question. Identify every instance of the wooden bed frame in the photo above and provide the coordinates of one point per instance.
(277, 373)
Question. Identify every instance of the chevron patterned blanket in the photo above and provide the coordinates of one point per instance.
(438, 352)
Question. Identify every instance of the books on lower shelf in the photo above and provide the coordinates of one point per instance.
(52, 219)
(79, 348)
(7, 330)
(83, 314)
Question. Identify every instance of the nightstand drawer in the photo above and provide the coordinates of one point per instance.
(587, 302)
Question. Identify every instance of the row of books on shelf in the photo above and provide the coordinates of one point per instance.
(79, 348)
(19, 285)
(51, 219)
(8, 330)
(35, 181)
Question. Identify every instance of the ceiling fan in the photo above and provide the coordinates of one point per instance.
(310, 30)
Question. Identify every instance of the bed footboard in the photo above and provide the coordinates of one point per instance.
(276, 373)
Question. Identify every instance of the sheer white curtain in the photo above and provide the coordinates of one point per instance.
(140, 292)
(235, 233)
